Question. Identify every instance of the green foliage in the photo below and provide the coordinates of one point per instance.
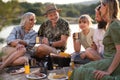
(8, 12)
(40, 19)
(1, 40)
(11, 11)
(1, 54)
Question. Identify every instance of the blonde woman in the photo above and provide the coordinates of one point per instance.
(109, 67)
(85, 38)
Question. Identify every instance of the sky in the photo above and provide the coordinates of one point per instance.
(54, 1)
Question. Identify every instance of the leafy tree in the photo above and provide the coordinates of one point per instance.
(11, 11)
(8, 12)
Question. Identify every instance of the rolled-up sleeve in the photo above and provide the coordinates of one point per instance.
(30, 38)
(12, 36)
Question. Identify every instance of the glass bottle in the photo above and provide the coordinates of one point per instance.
(27, 67)
(43, 68)
(72, 66)
(49, 63)
(37, 41)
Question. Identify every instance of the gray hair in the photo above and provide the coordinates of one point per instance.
(26, 17)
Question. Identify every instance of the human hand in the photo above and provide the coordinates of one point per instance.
(93, 45)
(100, 74)
(19, 46)
(22, 42)
(45, 41)
(83, 55)
(14, 43)
(76, 35)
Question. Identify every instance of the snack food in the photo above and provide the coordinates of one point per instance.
(63, 54)
(59, 76)
(54, 76)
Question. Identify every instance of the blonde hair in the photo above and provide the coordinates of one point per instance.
(26, 17)
(86, 17)
(113, 9)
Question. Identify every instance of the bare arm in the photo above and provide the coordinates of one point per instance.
(61, 42)
(116, 61)
(76, 42)
(23, 42)
(77, 45)
(14, 43)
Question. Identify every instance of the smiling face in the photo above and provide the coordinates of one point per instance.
(53, 16)
(83, 24)
(30, 22)
(85, 21)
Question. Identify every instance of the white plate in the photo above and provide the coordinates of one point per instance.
(58, 79)
(35, 78)
(18, 71)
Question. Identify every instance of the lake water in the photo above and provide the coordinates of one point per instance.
(73, 27)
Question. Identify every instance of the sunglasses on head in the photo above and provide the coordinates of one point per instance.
(104, 2)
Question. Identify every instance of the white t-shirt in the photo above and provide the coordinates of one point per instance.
(98, 39)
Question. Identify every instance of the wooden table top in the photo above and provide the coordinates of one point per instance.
(22, 76)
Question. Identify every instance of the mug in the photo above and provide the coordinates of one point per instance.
(76, 35)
